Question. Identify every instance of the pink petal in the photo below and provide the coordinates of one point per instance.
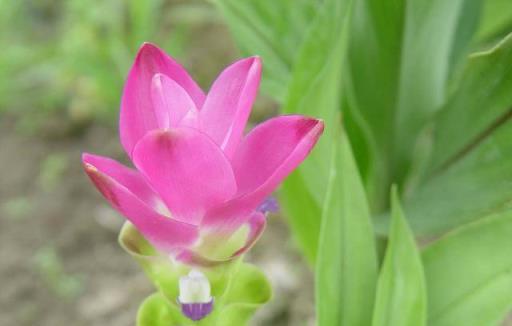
(187, 169)
(138, 114)
(191, 119)
(166, 234)
(228, 104)
(129, 178)
(265, 157)
(272, 150)
(256, 223)
(171, 103)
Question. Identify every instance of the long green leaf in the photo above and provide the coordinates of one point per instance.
(483, 97)
(432, 31)
(475, 187)
(346, 270)
(374, 69)
(469, 274)
(315, 91)
(474, 167)
(401, 54)
(304, 212)
(497, 18)
(401, 295)
(273, 29)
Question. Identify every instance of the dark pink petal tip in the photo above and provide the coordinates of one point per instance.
(229, 102)
(138, 114)
(266, 156)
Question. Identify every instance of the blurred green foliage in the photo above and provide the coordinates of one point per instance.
(17, 208)
(49, 266)
(52, 170)
(70, 58)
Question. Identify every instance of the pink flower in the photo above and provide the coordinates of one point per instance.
(198, 179)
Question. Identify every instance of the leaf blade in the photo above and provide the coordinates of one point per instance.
(315, 91)
(477, 186)
(401, 294)
(346, 268)
(401, 55)
(468, 273)
(483, 96)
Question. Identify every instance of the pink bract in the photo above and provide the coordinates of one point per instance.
(197, 177)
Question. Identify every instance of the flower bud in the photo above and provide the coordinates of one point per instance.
(194, 298)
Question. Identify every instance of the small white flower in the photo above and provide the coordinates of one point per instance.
(194, 288)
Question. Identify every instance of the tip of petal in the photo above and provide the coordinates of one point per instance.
(88, 158)
(85, 155)
(309, 126)
(249, 63)
(320, 125)
(146, 51)
(256, 63)
(90, 169)
(256, 59)
(147, 46)
(157, 81)
(158, 77)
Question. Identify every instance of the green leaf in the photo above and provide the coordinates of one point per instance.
(304, 214)
(315, 86)
(497, 19)
(427, 59)
(469, 274)
(401, 295)
(374, 70)
(401, 54)
(346, 269)
(482, 98)
(472, 188)
(474, 169)
(272, 29)
(315, 91)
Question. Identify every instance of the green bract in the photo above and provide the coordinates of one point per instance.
(238, 288)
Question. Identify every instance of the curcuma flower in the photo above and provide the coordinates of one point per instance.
(199, 182)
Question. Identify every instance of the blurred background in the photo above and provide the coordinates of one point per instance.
(62, 68)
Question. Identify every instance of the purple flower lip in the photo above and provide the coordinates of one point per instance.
(196, 311)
